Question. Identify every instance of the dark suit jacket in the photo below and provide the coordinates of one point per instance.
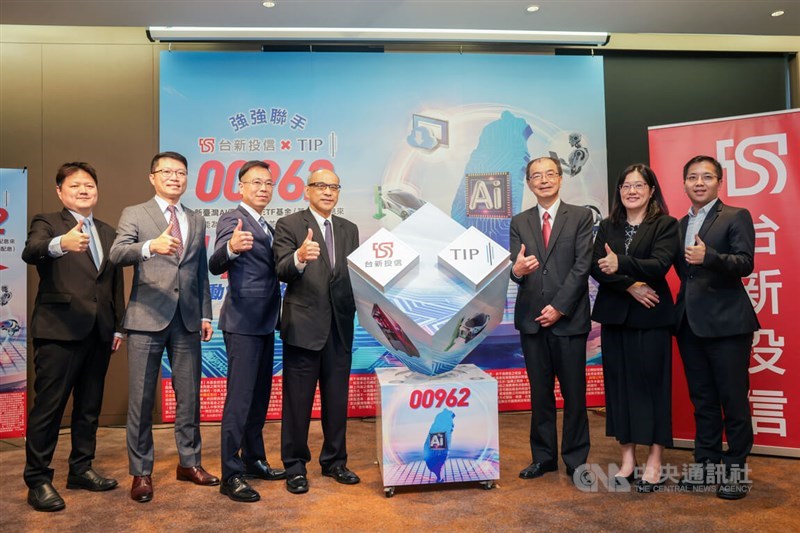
(712, 296)
(73, 293)
(650, 256)
(163, 282)
(315, 297)
(253, 299)
(563, 274)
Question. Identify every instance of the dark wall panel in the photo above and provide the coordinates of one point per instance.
(644, 89)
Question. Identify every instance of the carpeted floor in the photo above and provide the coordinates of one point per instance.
(547, 503)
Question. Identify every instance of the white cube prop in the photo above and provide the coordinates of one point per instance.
(430, 290)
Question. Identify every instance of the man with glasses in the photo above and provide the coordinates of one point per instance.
(311, 249)
(552, 247)
(248, 319)
(169, 307)
(715, 325)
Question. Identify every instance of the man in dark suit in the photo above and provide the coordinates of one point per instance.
(169, 307)
(78, 309)
(248, 319)
(311, 249)
(716, 321)
(552, 244)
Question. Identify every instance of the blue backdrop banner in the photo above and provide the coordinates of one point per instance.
(400, 130)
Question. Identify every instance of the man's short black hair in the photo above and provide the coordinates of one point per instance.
(252, 164)
(167, 155)
(703, 159)
(68, 169)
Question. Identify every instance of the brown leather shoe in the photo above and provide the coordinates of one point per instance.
(142, 489)
(195, 474)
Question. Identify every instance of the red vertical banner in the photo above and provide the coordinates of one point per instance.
(760, 156)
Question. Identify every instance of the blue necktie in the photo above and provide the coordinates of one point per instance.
(329, 242)
(87, 223)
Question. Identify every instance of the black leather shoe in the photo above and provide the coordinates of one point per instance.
(297, 484)
(624, 482)
(645, 487)
(342, 474)
(630, 478)
(535, 470)
(90, 480)
(262, 470)
(237, 489)
(706, 481)
(733, 491)
(45, 498)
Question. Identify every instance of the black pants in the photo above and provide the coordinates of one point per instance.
(249, 385)
(63, 368)
(548, 357)
(301, 370)
(718, 376)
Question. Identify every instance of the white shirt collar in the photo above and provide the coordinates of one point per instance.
(321, 219)
(252, 212)
(553, 209)
(163, 205)
(703, 210)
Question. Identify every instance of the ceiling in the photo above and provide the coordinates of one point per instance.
(744, 17)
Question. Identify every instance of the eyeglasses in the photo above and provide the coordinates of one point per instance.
(550, 175)
(693, 178)
(169, 172)
(257, 184)
(321, 186)
(639, 186)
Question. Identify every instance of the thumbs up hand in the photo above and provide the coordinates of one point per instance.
(75, 240)
(241, 241)
(524, 265)
(695, 255)
(610, 263)
(165, 244)
(309, 251)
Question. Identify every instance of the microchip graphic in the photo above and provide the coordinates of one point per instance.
(488, 195)
(438, 441)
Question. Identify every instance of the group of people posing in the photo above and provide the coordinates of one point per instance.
(711, 248)
(80, 316)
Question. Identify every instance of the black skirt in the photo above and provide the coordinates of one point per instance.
(637, 372)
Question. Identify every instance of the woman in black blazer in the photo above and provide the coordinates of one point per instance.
(633, 251)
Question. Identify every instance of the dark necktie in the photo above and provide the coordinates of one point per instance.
(546, 228)
(329, 242)
(265, 227)
(175, 230)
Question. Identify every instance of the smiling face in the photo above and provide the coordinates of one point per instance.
(321, 197)
(634, 192)
(78, 192)
(169, 179)
(701, 183)
(256, 188)
(544, 181)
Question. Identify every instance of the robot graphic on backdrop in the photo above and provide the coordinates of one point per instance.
(577, 158)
